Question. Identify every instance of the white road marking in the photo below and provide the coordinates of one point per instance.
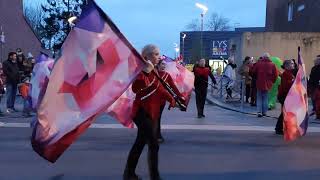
(175, 127)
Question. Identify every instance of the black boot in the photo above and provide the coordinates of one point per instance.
(127, 175)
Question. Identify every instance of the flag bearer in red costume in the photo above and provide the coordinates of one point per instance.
(287, 79)
(201, 73)
(146, 111)
(168, 79)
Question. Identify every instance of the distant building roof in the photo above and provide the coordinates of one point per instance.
(251, 29)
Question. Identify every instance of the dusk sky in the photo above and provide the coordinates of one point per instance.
(159, 22)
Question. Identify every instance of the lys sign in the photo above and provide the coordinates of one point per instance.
(220, 48)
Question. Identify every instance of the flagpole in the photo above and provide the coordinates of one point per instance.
(2, 40)
(172, 93)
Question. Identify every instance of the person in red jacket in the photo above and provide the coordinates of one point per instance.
(145, 114)
(287, 79)
(201, 73)
(168, 79)
(266, 74)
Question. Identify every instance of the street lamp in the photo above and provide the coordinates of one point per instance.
(204, 11)
(176, 48)
(183, 37)
(71, 20)
(2, 41)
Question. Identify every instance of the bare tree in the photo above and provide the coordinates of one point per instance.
(218, 23)
(34, 15)
(215, 22)
(194, 25)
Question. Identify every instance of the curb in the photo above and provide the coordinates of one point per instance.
(221, 105)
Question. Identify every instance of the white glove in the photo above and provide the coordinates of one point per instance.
(149, 67)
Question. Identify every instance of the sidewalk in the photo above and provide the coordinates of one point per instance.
(246, 108)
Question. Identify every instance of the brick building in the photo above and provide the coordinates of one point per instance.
(16, 30)
(293, 16)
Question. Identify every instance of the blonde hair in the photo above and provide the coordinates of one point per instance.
(148, 50)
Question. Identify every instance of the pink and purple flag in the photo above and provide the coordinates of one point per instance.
(183, 78)
(40, 78)
(96, 67)
(295, 109)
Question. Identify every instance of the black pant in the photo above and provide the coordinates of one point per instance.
(279, 125)
(147, 134)
(201, 95)
(159, 121)
(229, 91)
(248, 90)
(253, 92)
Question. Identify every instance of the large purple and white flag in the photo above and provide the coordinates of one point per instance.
(96, 67)
(39, 79)
(295, 108)
(182, 77)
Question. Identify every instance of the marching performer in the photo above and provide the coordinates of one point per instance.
(146, 111)
(168, 79)
(201, 73)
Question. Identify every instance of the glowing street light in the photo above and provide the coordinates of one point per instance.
(177, 49)
(203, 7)
(204, 11)
(71, 20)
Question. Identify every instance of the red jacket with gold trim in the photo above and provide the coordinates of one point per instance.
(149, 93)
(168, 79)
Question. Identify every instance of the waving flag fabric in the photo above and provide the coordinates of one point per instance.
(122, 108)
(295, 109)
(183, 78)
(40, 78)
(96, 67)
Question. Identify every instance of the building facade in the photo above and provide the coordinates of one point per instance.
(293, 16)
(280, 44)
(16, 30)
(214, 45)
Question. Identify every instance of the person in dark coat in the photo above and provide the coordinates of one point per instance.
(11, 71)
(314, 86)
(287, 79)
(20, 59)
(201, 73)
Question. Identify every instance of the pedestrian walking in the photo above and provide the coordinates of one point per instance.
(230, 75)
(314, 86)
(266, 73)
(24, 91)
(244, 71)
(11, 71)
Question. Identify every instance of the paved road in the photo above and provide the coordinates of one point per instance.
(187, 154)
(224, 145)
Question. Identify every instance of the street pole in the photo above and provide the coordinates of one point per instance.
(2, 41)
(182, 52)
(204, 11)
(201, 34)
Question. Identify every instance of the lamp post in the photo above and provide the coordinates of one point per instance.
(2, 41)
(204, 11)
(176, 48)
(183, 37)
